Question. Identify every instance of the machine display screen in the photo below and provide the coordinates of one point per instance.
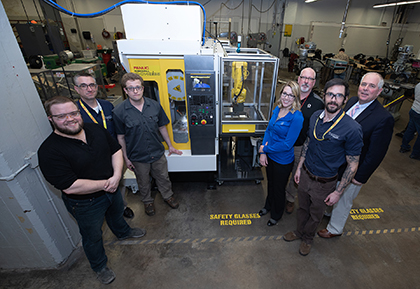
(200, 82)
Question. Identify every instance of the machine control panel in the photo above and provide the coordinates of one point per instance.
(200, 84)
(202, 111)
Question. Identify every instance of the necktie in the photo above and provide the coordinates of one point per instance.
(353, 110)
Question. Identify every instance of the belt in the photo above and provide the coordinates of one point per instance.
(85, 197)
(319, 179)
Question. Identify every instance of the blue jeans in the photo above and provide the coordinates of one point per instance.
(413, 126)
(90, 215)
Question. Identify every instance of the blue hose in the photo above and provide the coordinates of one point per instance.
(99, 13)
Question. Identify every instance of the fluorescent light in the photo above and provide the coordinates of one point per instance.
(395, 4)
(309, 1)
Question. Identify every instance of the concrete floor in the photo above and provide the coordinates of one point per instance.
(185, 248)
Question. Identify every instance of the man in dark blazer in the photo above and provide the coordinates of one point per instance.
(377, 126)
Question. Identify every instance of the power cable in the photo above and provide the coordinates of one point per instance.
(37, 12)
(109, 9)
(233, 8)
(264, 10)
(24, 9)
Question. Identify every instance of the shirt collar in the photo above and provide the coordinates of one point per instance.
(363, 106)
(321, 116)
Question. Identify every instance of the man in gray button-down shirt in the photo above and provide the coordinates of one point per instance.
(140, 124)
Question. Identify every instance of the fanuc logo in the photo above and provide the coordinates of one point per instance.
(141, 67)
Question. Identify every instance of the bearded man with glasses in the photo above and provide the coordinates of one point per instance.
(333, 139)
(85, 162)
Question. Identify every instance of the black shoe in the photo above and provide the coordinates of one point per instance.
(271, 222)
(402, 150)
(128, 213)
(414, 157)
(134, 233)
(106, 275)
(263, 212)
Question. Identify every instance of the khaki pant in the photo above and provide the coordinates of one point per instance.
(159, 171)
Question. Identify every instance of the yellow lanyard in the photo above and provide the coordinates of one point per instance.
(331, 127)
(91, 116)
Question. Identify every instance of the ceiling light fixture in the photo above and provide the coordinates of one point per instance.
(309, 1)
(395, 4)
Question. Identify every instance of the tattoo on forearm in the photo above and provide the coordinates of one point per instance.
(305, 148)
(352, 164)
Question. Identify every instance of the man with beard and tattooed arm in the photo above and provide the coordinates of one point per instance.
(333, 139)
(85, 162)
(309, 103)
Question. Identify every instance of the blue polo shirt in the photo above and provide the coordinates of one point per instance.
(323, 158)
(107, 107)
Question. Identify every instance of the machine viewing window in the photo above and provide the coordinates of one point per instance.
(176, 93)
(151, 90)
(247, 90)
(200, 82)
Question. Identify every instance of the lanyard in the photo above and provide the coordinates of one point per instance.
(331, 127)
(304, 101)
(91, 116)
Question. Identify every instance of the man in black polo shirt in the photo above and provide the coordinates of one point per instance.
(310, 102)
(85, 162)
(333, 138)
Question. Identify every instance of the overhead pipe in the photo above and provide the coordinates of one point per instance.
(343, 23)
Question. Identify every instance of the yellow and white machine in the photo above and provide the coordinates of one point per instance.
(197, 82)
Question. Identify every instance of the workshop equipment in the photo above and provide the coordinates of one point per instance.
(217, 99)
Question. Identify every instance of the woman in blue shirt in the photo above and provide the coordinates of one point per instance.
(276, 152)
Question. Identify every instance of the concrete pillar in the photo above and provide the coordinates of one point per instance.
(36, 231)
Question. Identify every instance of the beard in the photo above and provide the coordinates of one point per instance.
(69, 131)
(332, 109)
(304, 88)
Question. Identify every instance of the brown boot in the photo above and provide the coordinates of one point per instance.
(290, 236)
(289, 207)
(149, 209)
(304, 248)
(172, 203)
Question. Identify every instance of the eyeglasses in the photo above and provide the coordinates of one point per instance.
(65, 115)
(307, 78)
(85, 86)
(287, 95)
(336, 96)
(130, 88)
